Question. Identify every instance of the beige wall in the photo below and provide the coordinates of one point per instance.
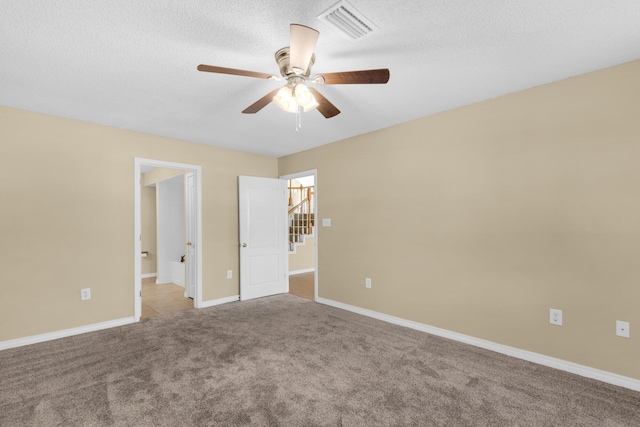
(480, 219)
(148, 223)
(160, 174)
(67, 218)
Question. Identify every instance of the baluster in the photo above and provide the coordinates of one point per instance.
(310, 208)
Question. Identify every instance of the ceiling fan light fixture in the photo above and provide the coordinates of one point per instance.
(303, 95)
(285, 100)
(290, 97)
(295, 62)
(313, 104)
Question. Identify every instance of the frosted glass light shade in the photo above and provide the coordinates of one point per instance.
(311, 104)
(285, 100)
(289, 99)
(303, 95)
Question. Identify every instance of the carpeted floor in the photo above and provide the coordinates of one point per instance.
(286, 361)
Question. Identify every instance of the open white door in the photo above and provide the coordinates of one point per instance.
(263, 237)
(190, 250)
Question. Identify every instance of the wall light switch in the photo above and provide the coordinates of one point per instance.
(229, 274)
(326, 222)
(367, 283)
(622, 329)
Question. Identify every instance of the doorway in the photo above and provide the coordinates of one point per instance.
(303, 223)
(192, 233)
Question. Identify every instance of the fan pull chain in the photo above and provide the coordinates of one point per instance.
(299, 118)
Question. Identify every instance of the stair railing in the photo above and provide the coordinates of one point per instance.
(300, 210)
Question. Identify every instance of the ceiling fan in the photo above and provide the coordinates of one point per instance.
(295, 62)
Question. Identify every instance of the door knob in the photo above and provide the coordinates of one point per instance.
(244, 245)
(189, 244)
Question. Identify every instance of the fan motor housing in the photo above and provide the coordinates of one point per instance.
(282, 58)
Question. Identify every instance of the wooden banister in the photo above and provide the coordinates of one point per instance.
(298, 205)
(300, 211)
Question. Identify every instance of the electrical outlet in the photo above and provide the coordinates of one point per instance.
(367, 283)
(555, 317)
(85, 294)
(622, 329)
(229, 274)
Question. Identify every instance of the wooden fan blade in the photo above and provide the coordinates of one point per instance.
(326, 108)
(379, 76)
(301, 46)
(260, 103)
(232, 71)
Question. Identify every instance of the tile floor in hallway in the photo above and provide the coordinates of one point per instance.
(167, 298)
(162, 299)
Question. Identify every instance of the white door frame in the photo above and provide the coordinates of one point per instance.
(190, 220)
(137, 233)
(313, 172)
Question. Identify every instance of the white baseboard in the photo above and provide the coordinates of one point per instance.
(219, 301)
(147, 275)
(552, 362)
(305, 270)
(19, 342)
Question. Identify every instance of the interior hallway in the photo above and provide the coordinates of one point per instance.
(163, 299)
(302, 285)
(167, 298)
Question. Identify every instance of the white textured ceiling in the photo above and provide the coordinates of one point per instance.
(132, 64)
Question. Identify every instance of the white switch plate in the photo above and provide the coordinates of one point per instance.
(622, 329)
(326, 222)
(229, 274)
(555, 317)
(85, 294)
(367, 283)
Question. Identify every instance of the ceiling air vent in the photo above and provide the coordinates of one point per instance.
(347, 19)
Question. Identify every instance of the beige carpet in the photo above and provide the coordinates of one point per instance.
(286, 361)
